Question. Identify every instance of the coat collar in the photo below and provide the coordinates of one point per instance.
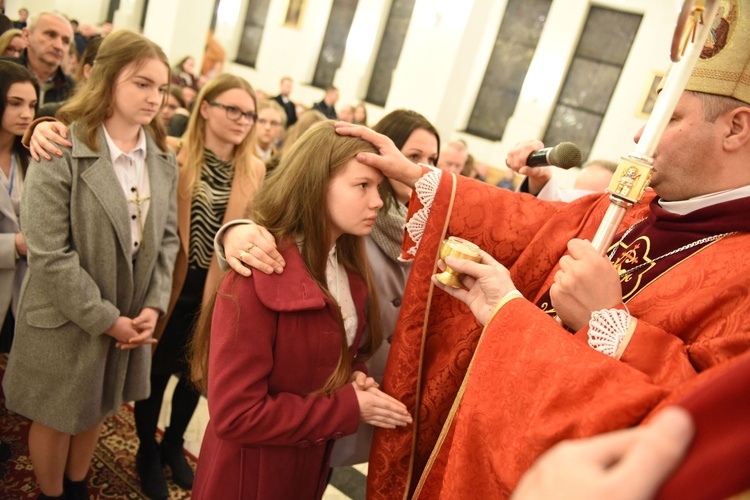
(103, 182)
(295, 289)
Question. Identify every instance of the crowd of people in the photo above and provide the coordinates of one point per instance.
(130, 183)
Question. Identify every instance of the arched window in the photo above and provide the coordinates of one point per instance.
(592, 76)
(515, 45)
(252, 32)
(389, 52)
(334, 42)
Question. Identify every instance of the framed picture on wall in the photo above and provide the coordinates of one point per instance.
(294, 13)
(649, 96)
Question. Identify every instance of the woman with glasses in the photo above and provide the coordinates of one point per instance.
(218, 177)
(12, 43)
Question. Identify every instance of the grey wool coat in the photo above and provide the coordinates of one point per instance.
(12, 270)
(64, 371)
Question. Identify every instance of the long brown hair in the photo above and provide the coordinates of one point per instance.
(291, 206)
(195, 134)
(92, 104)
(11, 73)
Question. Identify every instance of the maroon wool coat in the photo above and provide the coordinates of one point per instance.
(274, 340)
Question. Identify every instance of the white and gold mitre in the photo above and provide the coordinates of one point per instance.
(724, 64)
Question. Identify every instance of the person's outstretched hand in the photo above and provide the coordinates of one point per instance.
(486, 283)
(516, 161)
(388, 160)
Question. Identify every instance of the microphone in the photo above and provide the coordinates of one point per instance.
(564, 155)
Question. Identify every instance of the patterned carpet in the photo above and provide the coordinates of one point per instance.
(113, 470)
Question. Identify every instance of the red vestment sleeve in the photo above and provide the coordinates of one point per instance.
(530, 385)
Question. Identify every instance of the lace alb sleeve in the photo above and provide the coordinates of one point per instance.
(426, 187)
(607, 330)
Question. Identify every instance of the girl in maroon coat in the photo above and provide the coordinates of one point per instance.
(285, 373)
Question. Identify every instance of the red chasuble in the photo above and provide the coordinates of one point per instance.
(530, 382)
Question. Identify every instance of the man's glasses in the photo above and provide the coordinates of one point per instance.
(234, 113)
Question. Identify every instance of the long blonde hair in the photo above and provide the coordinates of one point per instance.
(7, 37)
(292, 205)
(195, 134)
(93, 103)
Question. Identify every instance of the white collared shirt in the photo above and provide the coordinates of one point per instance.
(263, 154)
(686, 206)
(338, 284)
(13, 184)
(132, 172)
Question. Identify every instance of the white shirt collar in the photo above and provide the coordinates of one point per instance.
(263, 154)
(116, 152)
(684, 207)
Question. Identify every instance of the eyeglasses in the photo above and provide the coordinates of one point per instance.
(273, 123)
(10, 51)
(234, 113)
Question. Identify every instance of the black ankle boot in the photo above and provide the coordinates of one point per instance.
(4, 451)
(153, 482)
(75, 490)
(173, 455)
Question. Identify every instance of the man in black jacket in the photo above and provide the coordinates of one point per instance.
(285, 102)
(326, 105)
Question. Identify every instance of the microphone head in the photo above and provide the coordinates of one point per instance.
(565, 155)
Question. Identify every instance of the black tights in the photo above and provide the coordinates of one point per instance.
(171, 357)
(184, 401)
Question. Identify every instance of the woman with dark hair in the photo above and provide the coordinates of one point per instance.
(419, 141)
(101, 226)
(183, 73)
(19, 100)
(282, 355)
